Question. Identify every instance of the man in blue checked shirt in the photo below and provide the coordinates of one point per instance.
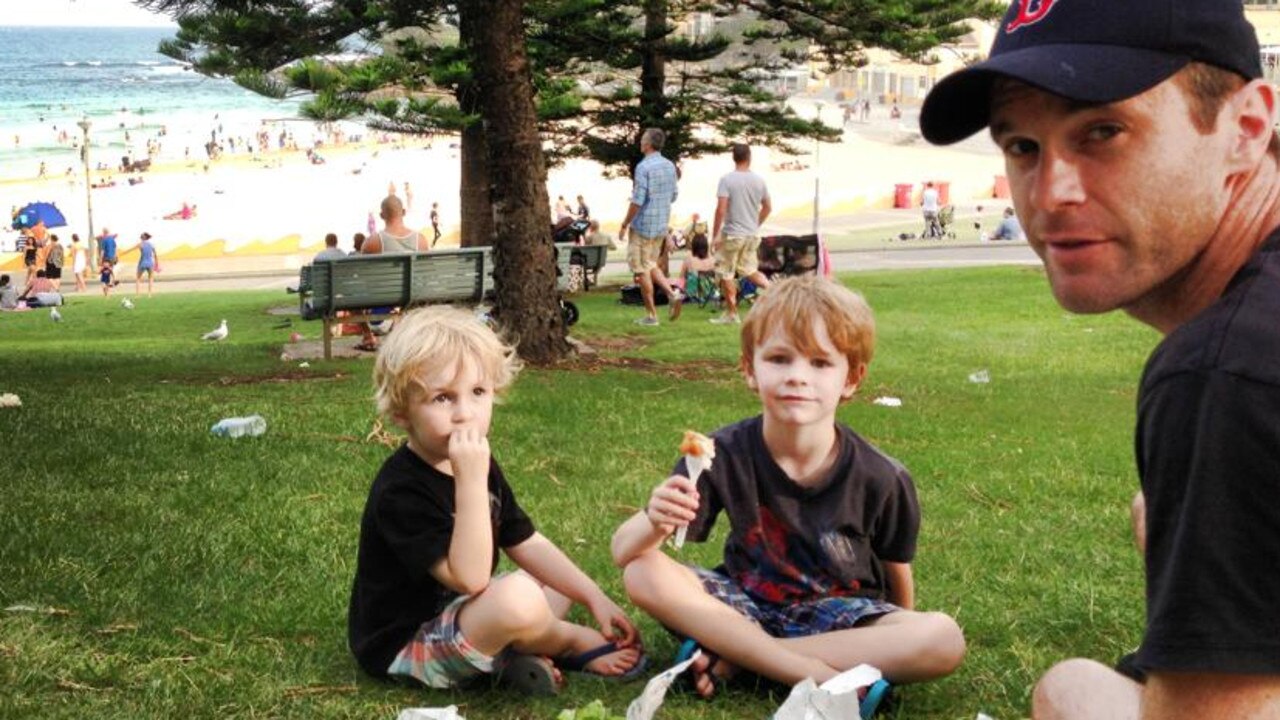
(645, 227)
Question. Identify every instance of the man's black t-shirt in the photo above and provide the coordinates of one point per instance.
(406, 529)
(1208, 447)
(792, 543)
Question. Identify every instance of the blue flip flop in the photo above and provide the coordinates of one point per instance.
(578, 663)
(876, 693)
(685, 681)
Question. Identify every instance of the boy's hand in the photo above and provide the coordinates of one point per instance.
(673, 504)
(610, 617)
(469, 456)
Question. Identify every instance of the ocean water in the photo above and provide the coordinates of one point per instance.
(50, 78)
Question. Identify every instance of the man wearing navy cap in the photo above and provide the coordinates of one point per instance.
(1139, 145)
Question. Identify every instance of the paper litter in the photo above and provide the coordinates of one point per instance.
(655, 691)
(887, 401)
(835, 698)
(445, 713)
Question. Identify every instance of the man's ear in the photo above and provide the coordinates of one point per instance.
(1252, 117)
(856, 375)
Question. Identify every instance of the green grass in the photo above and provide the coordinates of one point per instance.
(184, 575)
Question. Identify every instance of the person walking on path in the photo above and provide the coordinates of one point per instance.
(435, 223)
(645, 226)
(1141, 154)
(742, 206)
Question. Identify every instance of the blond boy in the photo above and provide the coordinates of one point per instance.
(817, 564)
(425, 604)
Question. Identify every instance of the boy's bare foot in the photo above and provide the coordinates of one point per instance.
(586, 641)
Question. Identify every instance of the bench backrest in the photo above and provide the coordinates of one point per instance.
(404, 279)
(591, 257)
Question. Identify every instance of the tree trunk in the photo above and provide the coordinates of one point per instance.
(476, 213)
(526, 302)
(653, 72)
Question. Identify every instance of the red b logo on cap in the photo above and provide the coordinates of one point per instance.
(1027, 16)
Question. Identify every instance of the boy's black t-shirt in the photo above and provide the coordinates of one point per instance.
(406, 529)
(1208, 447)
(789, 543)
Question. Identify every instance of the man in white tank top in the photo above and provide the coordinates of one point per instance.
(395, 237)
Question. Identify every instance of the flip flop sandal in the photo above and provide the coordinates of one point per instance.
(530, 674)
(687, 681)
(870, 702)
(578, 663)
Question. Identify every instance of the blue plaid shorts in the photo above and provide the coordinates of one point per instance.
(795, 619)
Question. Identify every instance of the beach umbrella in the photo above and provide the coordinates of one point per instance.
(35, 213)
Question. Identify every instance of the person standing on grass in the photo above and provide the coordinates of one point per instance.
(742, 206)
(79, 262)
(148, 264)
(1141, 153)
(816, 577)
(645, 226)
(54, 261)
(425, 604)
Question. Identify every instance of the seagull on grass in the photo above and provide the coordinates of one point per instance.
(219, 334)
(54, 315)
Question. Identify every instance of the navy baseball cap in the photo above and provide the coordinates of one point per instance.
(1092, 51)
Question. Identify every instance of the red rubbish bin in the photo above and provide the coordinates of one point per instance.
(902, 195)
(1001, 190)
(944, 191)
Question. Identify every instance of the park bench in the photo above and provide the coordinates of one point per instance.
(389, 283)
(787, 255)
(592, 259)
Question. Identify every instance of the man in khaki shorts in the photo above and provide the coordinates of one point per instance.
(742, 204)
(645, 227)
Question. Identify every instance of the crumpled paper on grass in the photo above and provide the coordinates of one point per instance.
(835, 699)
(887, 401)
(10, 400)
(655, 691)
(446, 713)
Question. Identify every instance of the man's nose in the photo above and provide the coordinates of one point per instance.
(1057, 182)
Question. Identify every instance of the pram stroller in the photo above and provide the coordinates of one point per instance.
(936, 226)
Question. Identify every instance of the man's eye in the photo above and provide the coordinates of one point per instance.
(1102, 132)
(1019, 147)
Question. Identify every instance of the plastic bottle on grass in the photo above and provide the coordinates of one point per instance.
(235, 427)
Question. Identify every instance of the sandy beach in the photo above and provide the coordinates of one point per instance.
(278, 206)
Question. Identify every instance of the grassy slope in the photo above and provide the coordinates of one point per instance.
(209, 578)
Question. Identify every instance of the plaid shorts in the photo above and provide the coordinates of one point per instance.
(795, 619)
(439, 656)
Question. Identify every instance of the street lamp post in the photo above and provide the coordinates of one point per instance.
(817, 171)
(85, 124)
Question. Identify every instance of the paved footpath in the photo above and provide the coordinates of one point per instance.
(908, 258)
